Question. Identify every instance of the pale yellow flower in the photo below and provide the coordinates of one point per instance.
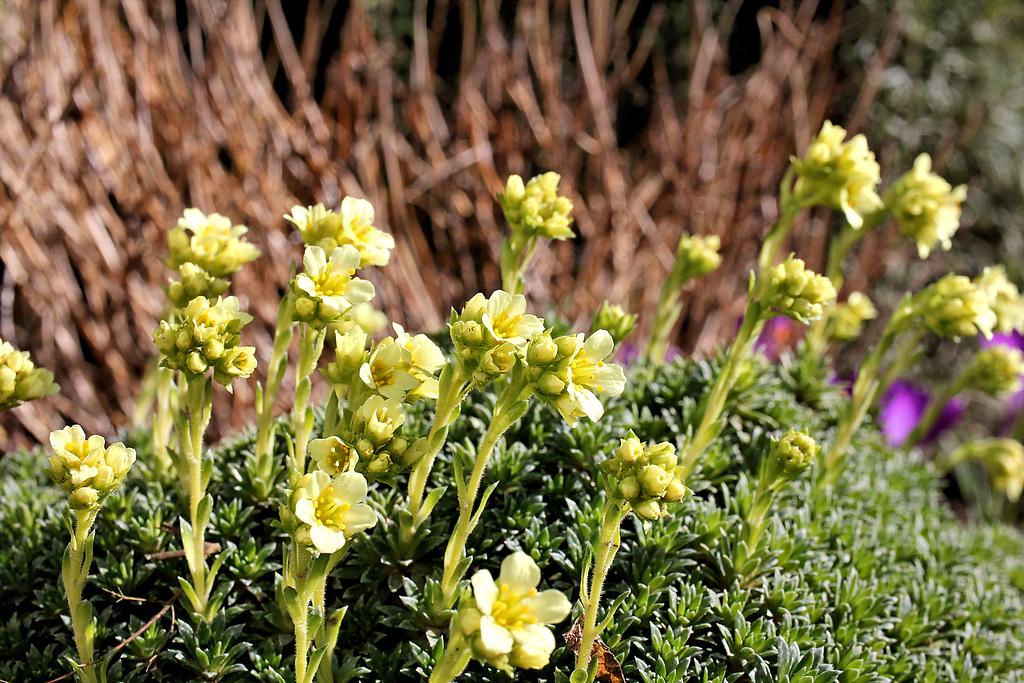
(588, 375)
(1004, 298)
(838, 174)
(326, 289)
(210, 242)
(331, 510)
(926, 207)
(509, 625)
(86, 468)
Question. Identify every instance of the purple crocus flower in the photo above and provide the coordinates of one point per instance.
(902, 407)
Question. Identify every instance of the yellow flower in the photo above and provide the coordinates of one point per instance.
(353, 226)
(996, 370)
(387, 370)
(326, 289)
(797, 292)
(509, 622)
(425, 360)
(331, 510)
(536, 208)
(332, 455)
(954, 307)
(87, 469)
(1003, 297)
(210, 242)
(925, 206)
(20, 379)
(587, 374)
(207, 334)
(851, 316)
(838, 174)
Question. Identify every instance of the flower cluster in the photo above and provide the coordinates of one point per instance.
(996, 370)
(925, 206)
(193, 282)
(324, 512)
(490, 332)
(352, 225)
(404, 367)
(369, 441)
(570, 371)
(849, 317)
(841, 175)
(536, 209)
(207, 335)
(326, 289)
(646, 477)
(209, 242)
(696, 255)
(1004, 297)
(87, 469)
(614, 320)
(954, 307)
(20, 379)
(506, 621)
(790, 456)
(796, 292)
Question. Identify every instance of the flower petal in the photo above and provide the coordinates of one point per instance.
(327, 539)
(484, 590)
(360, 517)
(549, 607)
(496, 640)
(350, 487)
(520, 572)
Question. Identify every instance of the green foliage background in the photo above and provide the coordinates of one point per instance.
(875, 581)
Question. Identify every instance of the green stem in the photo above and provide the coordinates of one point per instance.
(311, 346)
(452, 391)
(864, 392)
(716, 398)
(198, 417)
(607, 545)
(789, 210)
(753, 525)
(906, 355)
(502, 418)
(453, 660)
(162, 420)
(75, 575)
(263, 451)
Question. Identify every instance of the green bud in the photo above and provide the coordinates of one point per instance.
(796, 292)
(648, 509)
(629, 488)
(676, 491)
(542, 350)
(696, 255)
(954, 307)
(926, 207)
(996, 371)
(654, 480)
(614, 320)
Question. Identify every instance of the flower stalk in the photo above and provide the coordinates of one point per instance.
(609, 540)
(510, 407)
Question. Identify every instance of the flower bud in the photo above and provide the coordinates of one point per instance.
(954, 307)
(542, 350)
(796, 292)
(1004, 298)
(996, 370)
(696, 255)
(629, 488)
(654, 480)
(615, 321)
(648, 509)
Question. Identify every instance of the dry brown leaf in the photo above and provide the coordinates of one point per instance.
(608, 668)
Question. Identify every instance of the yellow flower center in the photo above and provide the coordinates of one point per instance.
(510, 611)
(383, 375)
(330, 511)
(505, 326)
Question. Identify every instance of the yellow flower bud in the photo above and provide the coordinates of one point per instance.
(925, 206)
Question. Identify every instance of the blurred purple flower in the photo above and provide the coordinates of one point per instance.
(627, 354)
(778, 334)
(902, 407)
(1014, 340)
